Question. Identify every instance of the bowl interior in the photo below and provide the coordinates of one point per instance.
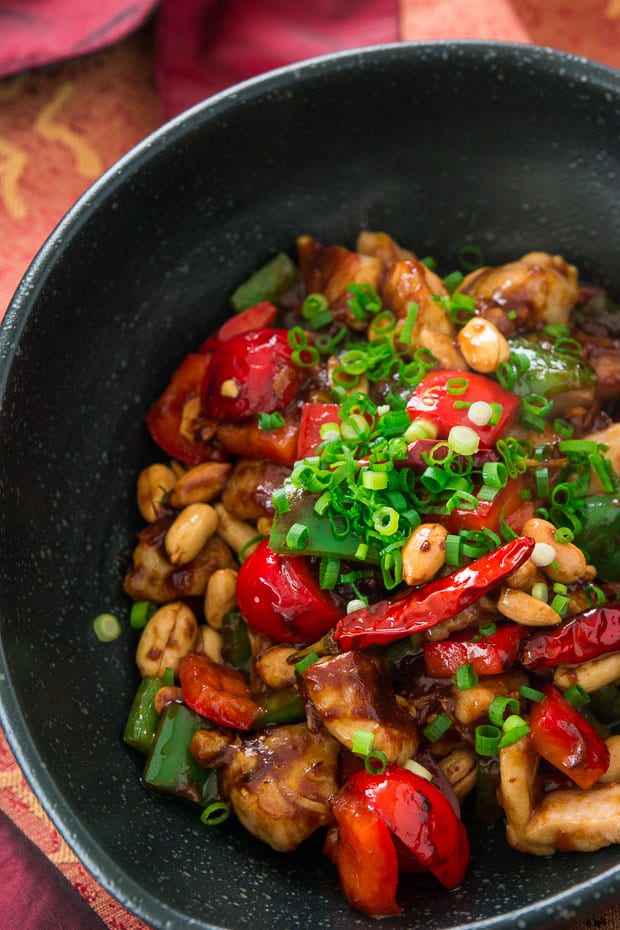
(441, 145)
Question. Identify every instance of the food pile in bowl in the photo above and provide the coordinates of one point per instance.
(377, 589)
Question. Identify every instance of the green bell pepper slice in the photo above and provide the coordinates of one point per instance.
(269, 282)
(545, 368)
(170, 767)
(143, 718)
(600, 536)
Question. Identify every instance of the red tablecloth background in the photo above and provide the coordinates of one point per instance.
(81, 82)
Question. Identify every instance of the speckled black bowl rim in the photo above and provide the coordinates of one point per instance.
(583, 898)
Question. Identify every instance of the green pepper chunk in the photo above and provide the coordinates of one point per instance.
(280, 707)
(170, 767)
(143, 718)
(321, 538)
(600, 536)
(236, 648)
(267, 283)
(547, 369)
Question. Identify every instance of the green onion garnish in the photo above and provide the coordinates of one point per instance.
(106, 628)
(499, 705)
(577, 696)
(375, 762)
(466, 678)
(362, 742)
(436, 729)
(216, 812)
(531, 694)
(140, 614)
(486, 739)
(303, 664)
(270, 420)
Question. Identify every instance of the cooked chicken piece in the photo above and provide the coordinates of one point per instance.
(591, 675)
(154, 578)
(273, 667)
(408, 281)
(566, 819)
(381, 245)
(278, 782)
(542, 288)
(460, 768)
(247, 492)
(350, 692)
(580, 821)
(330, 269)
(473, 703)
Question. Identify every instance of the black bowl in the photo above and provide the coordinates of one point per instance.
(508, 147)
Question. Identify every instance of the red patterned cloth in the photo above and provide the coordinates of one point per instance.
(62, 126)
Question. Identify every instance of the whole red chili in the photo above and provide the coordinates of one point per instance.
(586, 636)
(425, 607)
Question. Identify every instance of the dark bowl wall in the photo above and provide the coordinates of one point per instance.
(506, 147)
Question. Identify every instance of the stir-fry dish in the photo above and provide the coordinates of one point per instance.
(377, 588)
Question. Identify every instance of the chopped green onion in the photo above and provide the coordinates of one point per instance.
(463, 440)
(376, 762)
(470, 257)
(513, 735)
(559, 588)
(241, 555)
(540, 591)
(418, 769)
(595, 595)
(436, 729)
(216, 812)
(270, 420)
(495, 474)
(452, 280)
(486, 739)
(297, 536)
(531, 694)
(140, 614)
(466, 677)
(560, 604)
(499, 705)
(487, 629)
(385, 520)
(453, 549)
(280, 501)
(362, 742)
(541, 477)
(407, 328)
(106, 628)
(364, 301)
(329, 570)
(304, 663)
(577, 696)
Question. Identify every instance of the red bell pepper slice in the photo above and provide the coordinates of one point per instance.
(219, 693)
(588, 635)
(432, 400)
(313, 417)
(257, 317)
(425, 607)
(564, 738)
(490, 514)
(363, 851)
(247, 440)
(488, 655)
(279, 597)
(249, 374)
(420, 819)
(165, 417)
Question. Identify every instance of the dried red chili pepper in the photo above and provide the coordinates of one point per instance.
(423, 608)
(586, 636)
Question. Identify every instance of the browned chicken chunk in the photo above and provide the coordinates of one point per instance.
(247, 492)
(278, 783)
(350, 692)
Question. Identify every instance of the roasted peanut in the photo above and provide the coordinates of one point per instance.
(474, 703)
(569, 564)
(613, 772)
(154, 486)
(590, 675)
(169, 694)
(236, 533)
(209, 643)
(191, 530)
(525, 609)
(482, 345)
(168, 636)
(525, 576)
(274, 668)
(424, 553)
(200, 484)
(221, 596)
(460, 769)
